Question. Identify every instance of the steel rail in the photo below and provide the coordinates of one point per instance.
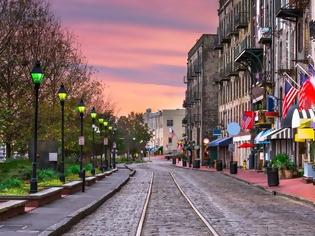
(211, 229)
(145, 207)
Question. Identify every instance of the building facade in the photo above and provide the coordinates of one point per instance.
(166, 127)
(201, 100)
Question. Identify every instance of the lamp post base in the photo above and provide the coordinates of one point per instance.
(62, 178)
(33, 186)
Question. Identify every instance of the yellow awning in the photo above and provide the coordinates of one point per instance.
(305, 123)
(306, 133)
(296, 139)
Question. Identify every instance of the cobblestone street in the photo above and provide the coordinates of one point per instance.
(230, 206)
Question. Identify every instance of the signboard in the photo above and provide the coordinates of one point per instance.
(231, 147)
(216, 132)
(105, 141)
(81, 140)
(53, 156)
(233, 128)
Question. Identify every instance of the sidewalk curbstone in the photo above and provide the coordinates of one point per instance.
(64, 225)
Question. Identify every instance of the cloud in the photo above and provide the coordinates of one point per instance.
(139, 47)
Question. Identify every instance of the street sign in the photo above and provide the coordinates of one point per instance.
(105, 141)
(53, 156)
(81, 140)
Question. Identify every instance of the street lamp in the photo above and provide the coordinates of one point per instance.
(93, 116)
(105, 123)
(100, 121)
(37, 75)
(81, 110)
(114, 155)
(62, 95)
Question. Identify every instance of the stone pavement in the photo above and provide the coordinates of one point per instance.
(62, 213)
(294, 188)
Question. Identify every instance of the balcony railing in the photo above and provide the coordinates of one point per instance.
(241, 47)
(241, 20)
(230, 70)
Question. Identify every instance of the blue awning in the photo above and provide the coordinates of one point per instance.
(262, 136)
(221, 142)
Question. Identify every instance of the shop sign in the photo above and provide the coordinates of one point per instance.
(306, 133)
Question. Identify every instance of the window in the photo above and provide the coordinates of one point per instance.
(169, 123)
(170, 140)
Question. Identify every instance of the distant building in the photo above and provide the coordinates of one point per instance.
(166, 126)
(201, 100)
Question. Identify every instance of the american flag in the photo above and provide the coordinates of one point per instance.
(248, 120)
(290, 94)
(304, 83)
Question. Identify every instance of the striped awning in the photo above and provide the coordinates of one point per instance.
(294, 117)
(284, 133)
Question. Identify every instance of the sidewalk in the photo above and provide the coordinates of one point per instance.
(55, 217)
(293, 188)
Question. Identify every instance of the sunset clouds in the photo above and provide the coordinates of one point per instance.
(139, 47)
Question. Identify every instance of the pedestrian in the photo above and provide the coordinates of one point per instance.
(244, 164)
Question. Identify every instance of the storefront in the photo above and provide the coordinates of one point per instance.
(241, 151)
(221, 146)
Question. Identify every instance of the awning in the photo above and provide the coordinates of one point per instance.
(294, 117)
(246, 145)
(262, 136)
(284, 133)
(221, 142)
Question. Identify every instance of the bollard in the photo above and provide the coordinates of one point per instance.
(83, 180)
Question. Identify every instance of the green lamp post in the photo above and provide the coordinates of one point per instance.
(93, 116)
(62, 95)
(81, 110)
(37, 75)
(105, 123)
(101, 121)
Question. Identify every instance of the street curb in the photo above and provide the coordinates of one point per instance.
(272, 192)
(64, 225)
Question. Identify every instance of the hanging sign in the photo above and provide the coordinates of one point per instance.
(81, 140)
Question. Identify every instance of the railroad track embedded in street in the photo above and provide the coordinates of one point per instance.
(202, 218)
(175, 204)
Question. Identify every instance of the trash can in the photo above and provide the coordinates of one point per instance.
(233, 167)
(273, 176)
(218, 165)
(174, 160)
(196, 164)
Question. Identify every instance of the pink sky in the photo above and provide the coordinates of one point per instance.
(139, 47)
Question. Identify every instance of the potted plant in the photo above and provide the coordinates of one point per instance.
(184, 158)
(284, 164)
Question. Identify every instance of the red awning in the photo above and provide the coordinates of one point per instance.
(246, 145)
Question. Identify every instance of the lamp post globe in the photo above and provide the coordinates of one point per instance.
(93, 116)
(62, 95)
(37, 75)
(81, 110)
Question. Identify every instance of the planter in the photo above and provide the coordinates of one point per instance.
(11, 208)
(71, 187)
(233, 167)
(288, 174)
(281, 174)
(196, 164)
(273, 176)
(184, 163)
(219, 165)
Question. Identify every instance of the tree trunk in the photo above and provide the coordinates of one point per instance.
(8, 150)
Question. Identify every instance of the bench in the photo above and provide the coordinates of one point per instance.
(43, 197)
(71, 187)
(90, 181)
(100, 176)
(11, 208)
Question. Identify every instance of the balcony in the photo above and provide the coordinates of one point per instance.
(223, 3)
(239, 67)
(291, 11)
(241, 47)
(241, 20)
(264, 35)
(230, 70)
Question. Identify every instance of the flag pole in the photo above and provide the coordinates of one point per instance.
(291, 79)
(302, 69)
